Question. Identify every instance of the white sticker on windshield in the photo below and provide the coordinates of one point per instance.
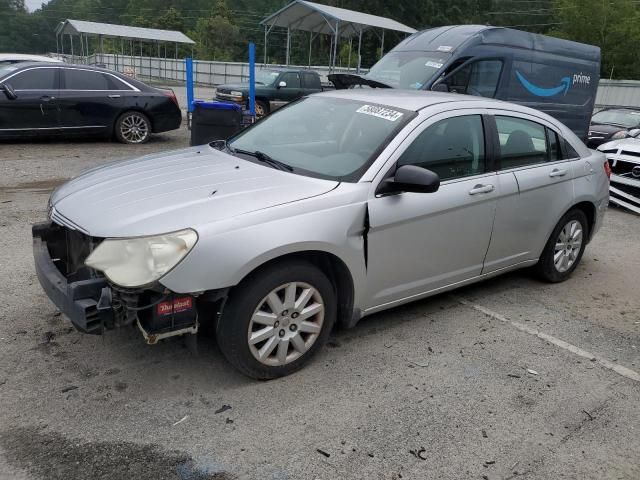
(445, 48)
(433, 64)
(380, 112)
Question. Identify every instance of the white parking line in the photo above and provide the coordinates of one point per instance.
(619, 369)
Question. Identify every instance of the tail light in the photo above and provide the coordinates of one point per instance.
(172, 96)
(607, 168)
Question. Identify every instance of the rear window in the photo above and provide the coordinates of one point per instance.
(311, 80)
(85, 80)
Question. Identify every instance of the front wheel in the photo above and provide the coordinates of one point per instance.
(133, 128)
(277, 319)
(564, 248)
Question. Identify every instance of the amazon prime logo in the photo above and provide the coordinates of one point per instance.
(579, 79)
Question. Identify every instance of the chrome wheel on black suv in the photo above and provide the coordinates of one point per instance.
(133, 127)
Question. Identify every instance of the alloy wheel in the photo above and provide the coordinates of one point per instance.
(568, 245)
(134, 128)
(286, 324)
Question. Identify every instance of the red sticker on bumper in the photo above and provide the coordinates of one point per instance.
(177, 306)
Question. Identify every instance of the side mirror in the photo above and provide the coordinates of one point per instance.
(410, 178)
(282, 84)
(440, 87)
(8, 91)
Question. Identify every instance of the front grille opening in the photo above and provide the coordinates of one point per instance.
(69, 249)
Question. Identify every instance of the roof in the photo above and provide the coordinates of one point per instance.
(452, 37)
(318, 18)
(20, 57)
(75, 27)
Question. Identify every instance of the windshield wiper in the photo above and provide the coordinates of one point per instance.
(263, 157)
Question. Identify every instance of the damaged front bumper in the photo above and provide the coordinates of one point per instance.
(92, 303)
(78, 300)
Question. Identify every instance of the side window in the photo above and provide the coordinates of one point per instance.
(311, 81)
(522, 142)
(452, 148)
(484, 78)
(478, 78)
(36, 79)
(85, 80)
(292, 79)
(570, 152)
(115, 83)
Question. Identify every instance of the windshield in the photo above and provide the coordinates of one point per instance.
(266, 77)
(409, 70)
(324, 137)
(624, 118)
(5, 69)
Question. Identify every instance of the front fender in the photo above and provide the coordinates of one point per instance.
(223, 257)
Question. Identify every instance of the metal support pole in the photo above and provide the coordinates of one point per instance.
(266, 38)
(359, 47)
(288, 46)
(72, 55)
(310, 43)
(252, 79)
(382, 45)
(57, 47)
(335, 44)
(350, 45)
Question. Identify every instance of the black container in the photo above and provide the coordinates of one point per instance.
(214, 121)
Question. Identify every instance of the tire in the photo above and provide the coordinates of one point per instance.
(133, 128)
(262, 109)
(276, 323)
(569, 252)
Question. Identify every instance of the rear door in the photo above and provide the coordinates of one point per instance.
(35, 108)
(90, 100)
(538, 185)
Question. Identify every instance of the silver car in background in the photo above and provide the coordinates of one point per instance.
(339, 205)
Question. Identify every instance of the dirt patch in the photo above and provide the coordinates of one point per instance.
(51, 456)
(37, 186)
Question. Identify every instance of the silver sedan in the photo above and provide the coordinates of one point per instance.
(339, 205)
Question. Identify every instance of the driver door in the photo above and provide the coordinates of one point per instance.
(36, 107)
(421, 242)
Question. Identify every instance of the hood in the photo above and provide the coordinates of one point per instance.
(167, 192)
(228, 87)
(605, 129)
(343, 81)
(625, 144)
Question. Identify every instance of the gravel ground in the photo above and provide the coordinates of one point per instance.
(457, 386)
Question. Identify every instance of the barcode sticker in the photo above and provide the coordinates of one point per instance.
(380, 112)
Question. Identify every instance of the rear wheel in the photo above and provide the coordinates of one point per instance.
(133, 128)
(276, 320)
(565, 247)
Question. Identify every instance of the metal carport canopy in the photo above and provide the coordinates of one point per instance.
(324, 19)
(81, 27)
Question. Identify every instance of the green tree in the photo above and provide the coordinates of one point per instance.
(216, 36)
(616, 31)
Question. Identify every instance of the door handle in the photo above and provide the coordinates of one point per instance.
(47, 98)
(557, 173)
(481, 189)
(114, 96)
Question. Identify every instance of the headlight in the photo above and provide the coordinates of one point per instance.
(619, 135)
(236, 94)
(134, 262)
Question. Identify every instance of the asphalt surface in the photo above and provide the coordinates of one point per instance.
(471, 385)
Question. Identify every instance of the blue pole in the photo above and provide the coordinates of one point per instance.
(252, 79)
(189, 68)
